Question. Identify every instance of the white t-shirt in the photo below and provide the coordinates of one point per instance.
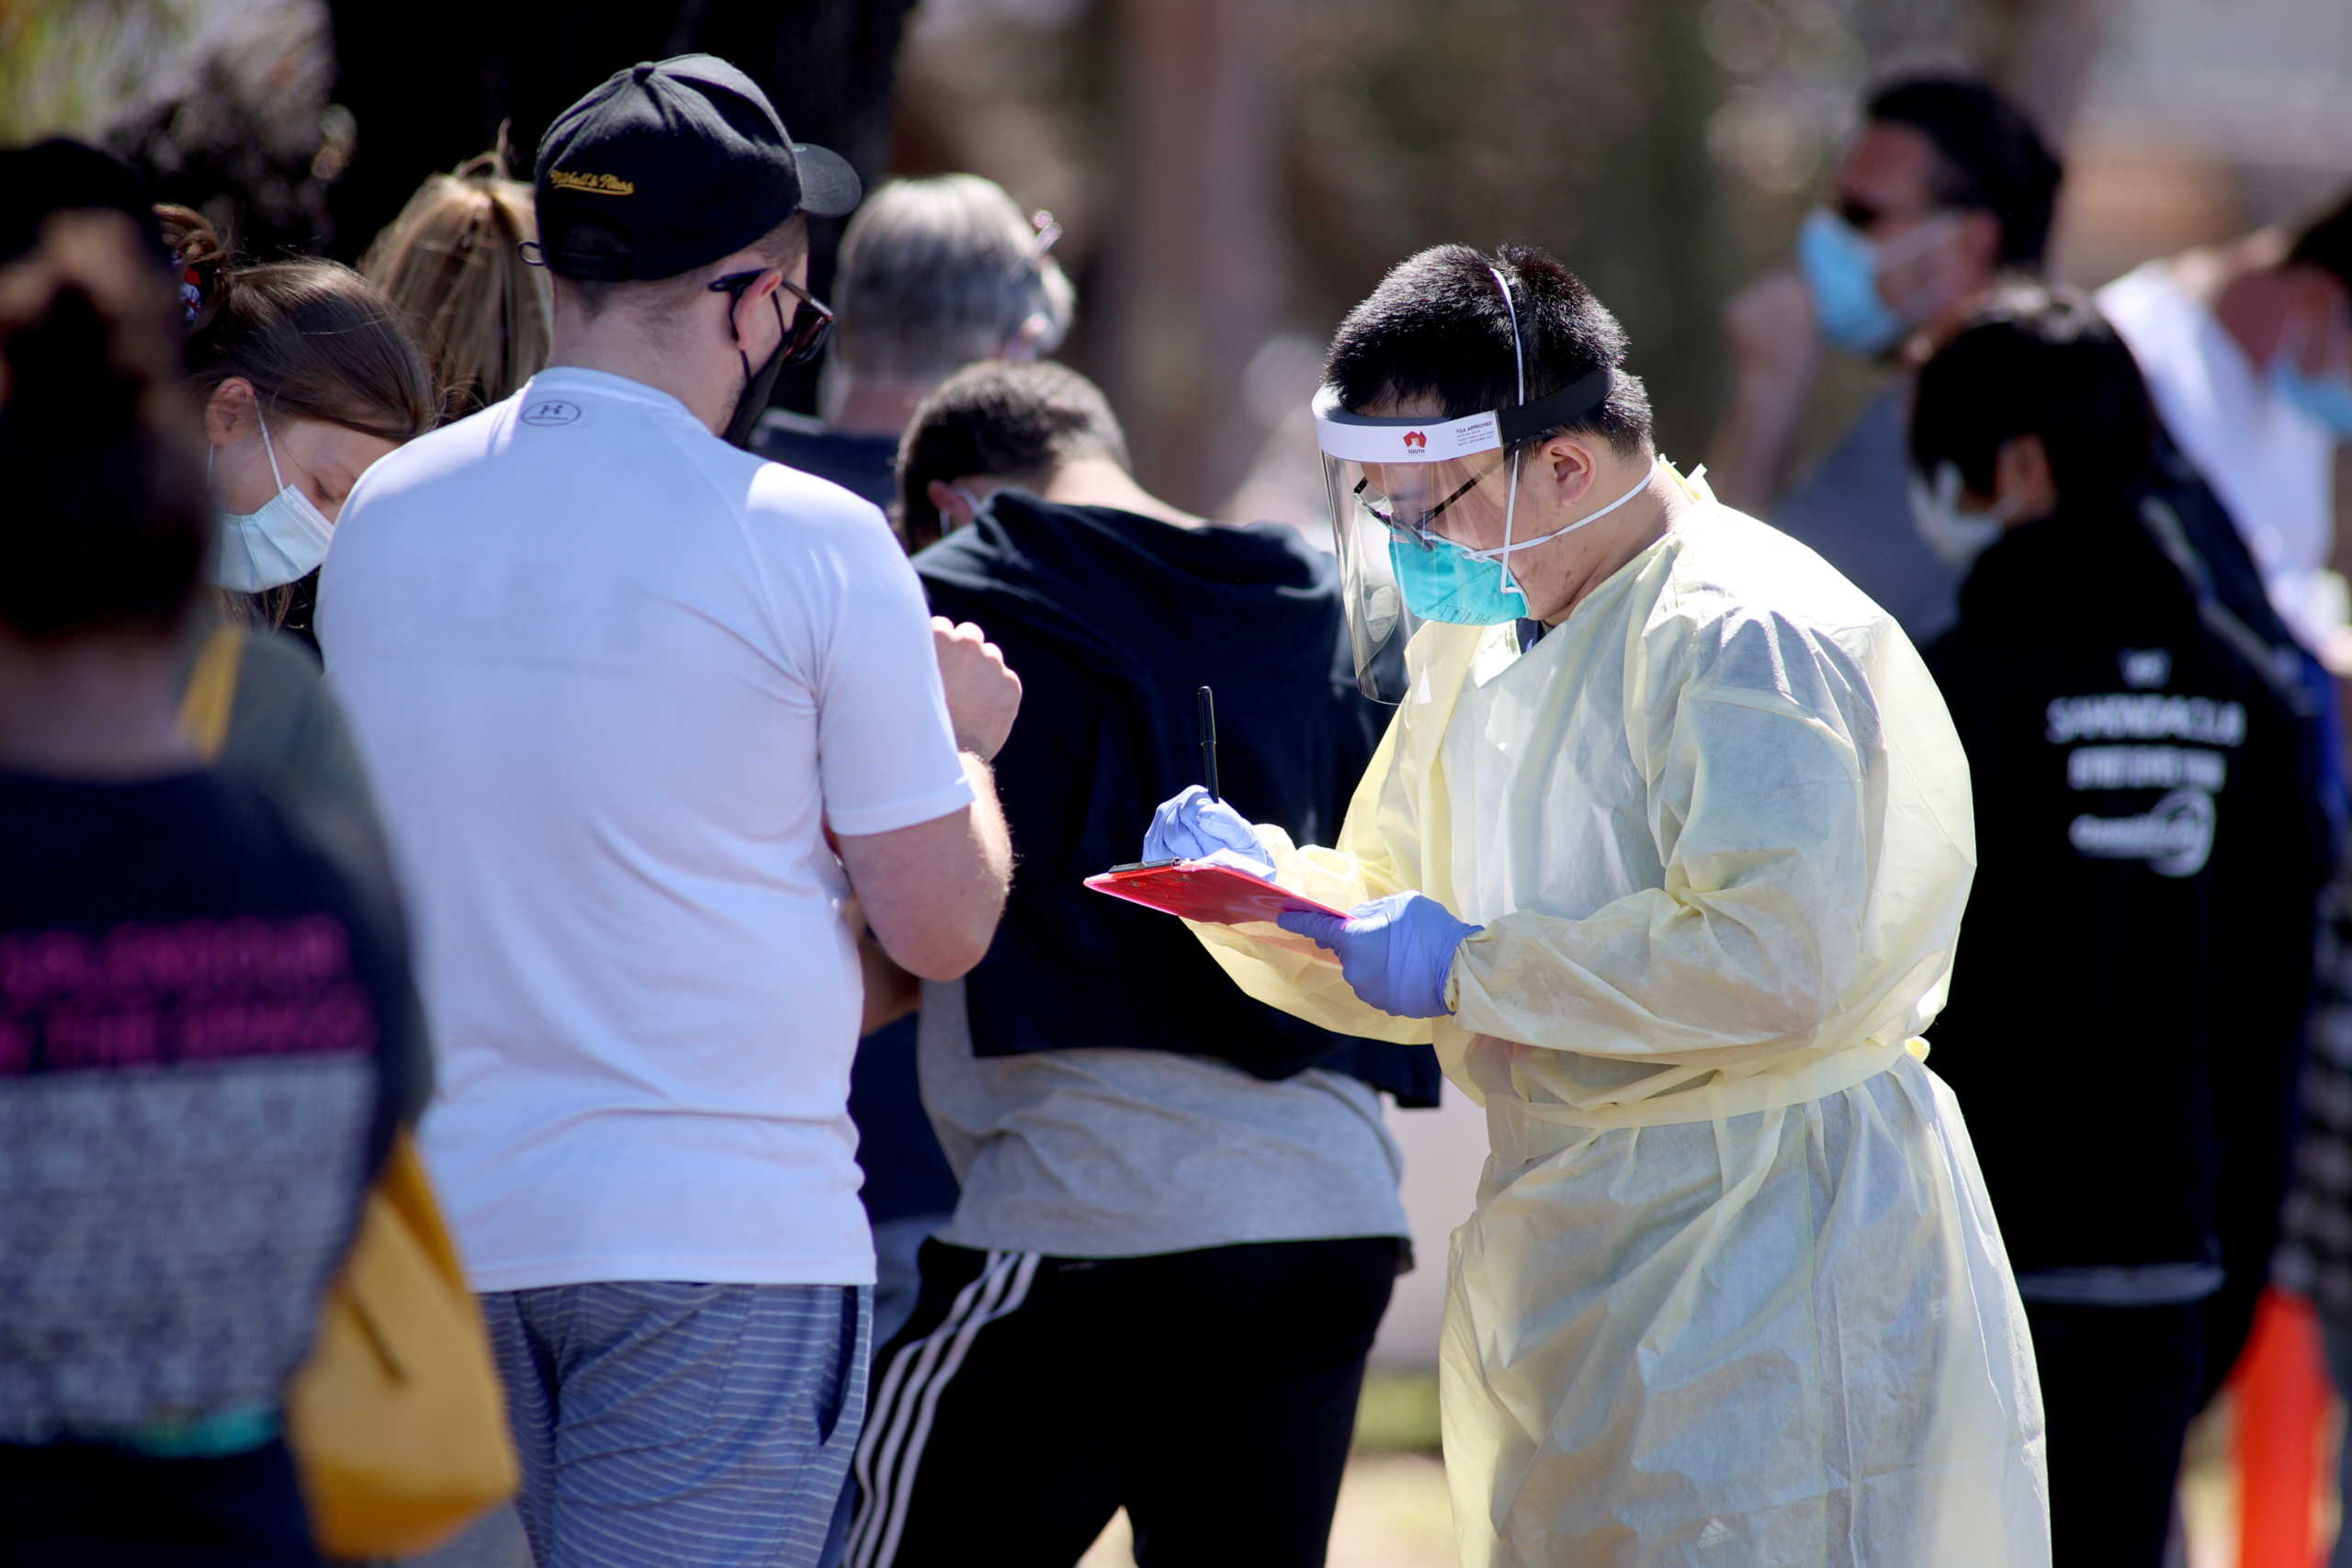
(613, 678)
(2272, 465)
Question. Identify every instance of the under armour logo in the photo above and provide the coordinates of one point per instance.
(2146, 666)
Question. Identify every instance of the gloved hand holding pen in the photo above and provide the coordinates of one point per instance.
(1196, 824)
(1396, 951)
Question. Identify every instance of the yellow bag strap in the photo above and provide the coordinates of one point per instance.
(212, 693)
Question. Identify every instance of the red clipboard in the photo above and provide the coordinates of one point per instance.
(1216, 894)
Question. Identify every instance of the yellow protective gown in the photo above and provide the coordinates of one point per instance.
(1732, 1292)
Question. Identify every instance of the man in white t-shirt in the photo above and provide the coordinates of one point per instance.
(2247, 351)
(651, 721)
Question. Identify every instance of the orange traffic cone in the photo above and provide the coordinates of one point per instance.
(2282, 1396)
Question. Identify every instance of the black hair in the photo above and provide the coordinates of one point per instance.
(1438, 327)
(2326, 242)
(1003, 421)
(1988, 155)
(109, 521)
(2032, 360)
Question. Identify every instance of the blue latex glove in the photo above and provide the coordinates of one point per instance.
(1196, 825)
(1396, 951)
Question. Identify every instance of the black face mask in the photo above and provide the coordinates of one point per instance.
(758, 384)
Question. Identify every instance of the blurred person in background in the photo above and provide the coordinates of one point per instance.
(935, 274)
(1665, 851)
(1179, 1223)
(2247, 352)
(284, 731)
(2148, 855)
(1946, 186)
(206, 1027)
(454, 266)
(308, 376)
(2315, 1248)
(2246, 349)
(650, 717)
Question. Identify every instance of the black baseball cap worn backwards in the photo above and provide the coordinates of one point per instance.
(671, 165)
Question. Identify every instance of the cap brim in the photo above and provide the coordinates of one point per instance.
(829, 187)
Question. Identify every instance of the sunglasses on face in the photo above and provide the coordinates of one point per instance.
(812, 319)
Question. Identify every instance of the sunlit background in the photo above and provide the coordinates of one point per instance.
(1231, 174)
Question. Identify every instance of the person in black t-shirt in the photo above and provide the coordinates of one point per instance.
(208, 1032)
(2135, 959)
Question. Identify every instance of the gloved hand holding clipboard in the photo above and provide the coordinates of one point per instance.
(1203, 862)
(1216, 892)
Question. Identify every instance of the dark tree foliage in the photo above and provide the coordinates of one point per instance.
(430, 82)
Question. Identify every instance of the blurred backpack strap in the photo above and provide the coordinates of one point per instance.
(212, 694)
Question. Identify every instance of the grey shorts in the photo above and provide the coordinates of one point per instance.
(681, 1426)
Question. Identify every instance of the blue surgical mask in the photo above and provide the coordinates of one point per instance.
(2326, 397)
(1841, 267)
(1444, 581)
(282, 542)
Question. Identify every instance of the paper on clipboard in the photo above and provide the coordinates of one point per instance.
(1216, 894)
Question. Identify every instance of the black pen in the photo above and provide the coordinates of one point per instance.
(1208, 740)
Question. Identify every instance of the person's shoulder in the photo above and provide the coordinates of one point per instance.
(426, 462)
(1728, 566)
(2147, 287)
(1287, 542)
(862, 463)
(1743, 606)
(446, 446)
(773, 494)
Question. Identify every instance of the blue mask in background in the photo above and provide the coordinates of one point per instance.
(1840, 267)
(2326, 397)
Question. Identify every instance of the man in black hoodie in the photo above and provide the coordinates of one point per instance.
(2135, 959)
(1179, 1223)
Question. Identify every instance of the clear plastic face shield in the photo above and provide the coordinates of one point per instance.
(1424, 514)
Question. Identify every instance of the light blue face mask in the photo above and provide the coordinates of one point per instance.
(1841, 267)
(2327, 397)
(1444, 581)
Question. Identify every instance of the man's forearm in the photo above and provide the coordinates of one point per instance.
(890, 992)
(990, 833)
(978, 900)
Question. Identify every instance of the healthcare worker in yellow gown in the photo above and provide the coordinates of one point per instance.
(1664, 852)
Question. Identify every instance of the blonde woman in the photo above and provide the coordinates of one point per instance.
(452, 263)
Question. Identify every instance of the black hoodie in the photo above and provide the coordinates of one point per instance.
(2136, 955)
(1114, 621)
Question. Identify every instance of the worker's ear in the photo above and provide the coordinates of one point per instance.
(2022, 485)
(1566, 467)
(954, 504)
